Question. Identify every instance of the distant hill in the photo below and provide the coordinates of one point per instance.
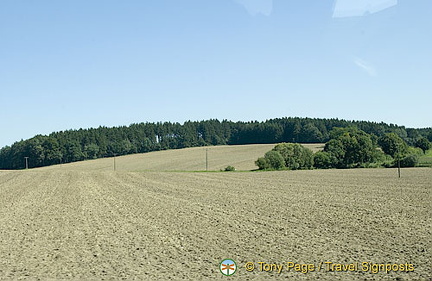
(242, 157)
(83, 144)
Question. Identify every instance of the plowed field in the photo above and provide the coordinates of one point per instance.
(65, 224)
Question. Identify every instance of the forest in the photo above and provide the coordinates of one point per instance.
(76, 145)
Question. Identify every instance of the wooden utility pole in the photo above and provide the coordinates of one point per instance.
(114, 162)
(398, 159)
(26, 162)
(399, 167)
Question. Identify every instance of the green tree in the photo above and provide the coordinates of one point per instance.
(396, 147)
(295, 155)
(35, 151)
(74, 152)
(310, 133)
(91, 151)
(262, 163)
(271, 160)
(322, 160)
(358, 148)
(275, 160)
(336, 152)
(410, 160)
(393, 145)
(53, 154)
(423, 143)
(350, 148)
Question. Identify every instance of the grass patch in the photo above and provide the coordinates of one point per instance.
(426, 159)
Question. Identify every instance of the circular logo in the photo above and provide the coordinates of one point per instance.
(228, 267)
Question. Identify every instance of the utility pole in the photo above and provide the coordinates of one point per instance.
(399, 166)
(398, 158)
(26, 162)
(114, 162)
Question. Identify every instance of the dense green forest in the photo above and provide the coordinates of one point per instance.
(75, 145)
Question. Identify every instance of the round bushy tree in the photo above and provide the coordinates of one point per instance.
(262, 163)
(410, 160)
(393, 145)
(322, 160)
(275, 160)
(336, 152)
(271, 160)
(295, 155)
(424, 144)
(350, 147)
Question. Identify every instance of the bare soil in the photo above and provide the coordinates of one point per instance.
(66, 224)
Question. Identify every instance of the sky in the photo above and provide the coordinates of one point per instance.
(81, 64)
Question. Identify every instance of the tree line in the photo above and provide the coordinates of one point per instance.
(348, 147)
(76, 145)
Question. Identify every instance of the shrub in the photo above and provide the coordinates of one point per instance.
(271, 160)
(409, 160)
(393, 145)
(370, 165)
(275, 160)
(351, 148)
(262, 163)
(295, 155)
(322, 160)
(229, 169)
(387, 161)
(415, 150)
(424, 144)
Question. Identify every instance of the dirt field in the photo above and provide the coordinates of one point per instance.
(165, 225)
(242, 157)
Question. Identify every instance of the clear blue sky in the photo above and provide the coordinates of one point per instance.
(72, 64)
